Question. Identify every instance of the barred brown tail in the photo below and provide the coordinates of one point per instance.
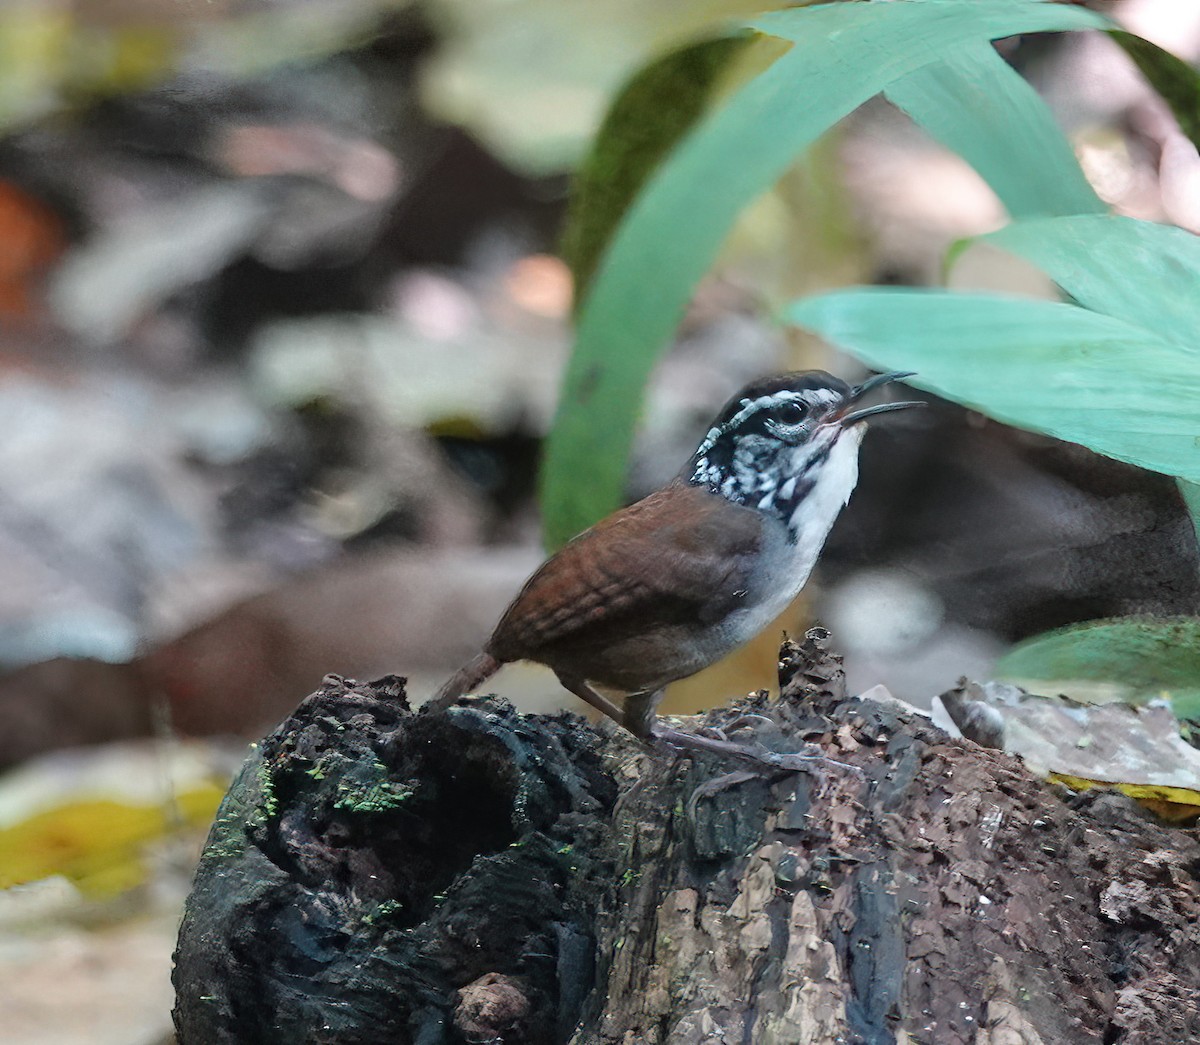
(475, 671)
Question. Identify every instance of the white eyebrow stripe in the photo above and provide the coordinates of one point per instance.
(752, 406)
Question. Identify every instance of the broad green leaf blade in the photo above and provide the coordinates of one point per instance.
(843, 54)
(941, 22)
(1042, 365)
(1143, 273)
(1176, 81)
(650, 114)
(1150, 656)
(976, 104)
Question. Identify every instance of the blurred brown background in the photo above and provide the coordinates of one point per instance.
(283, 323)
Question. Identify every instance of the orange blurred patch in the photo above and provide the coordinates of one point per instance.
(541, 284)
(31, 240)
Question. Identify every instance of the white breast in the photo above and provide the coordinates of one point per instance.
(815, 514)
(785, 564)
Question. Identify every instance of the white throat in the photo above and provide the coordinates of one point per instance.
(793, 544)
(815, 514)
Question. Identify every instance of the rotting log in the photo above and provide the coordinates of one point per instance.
(381, 876)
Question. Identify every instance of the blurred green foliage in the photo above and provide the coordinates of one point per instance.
(1113, 369)
(840, 56)
(531, 79)
(650, 114)
(1117, 371)
(1170, 76)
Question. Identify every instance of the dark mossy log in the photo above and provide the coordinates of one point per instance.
(382, 876)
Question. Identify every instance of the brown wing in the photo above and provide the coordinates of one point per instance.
(681, 555)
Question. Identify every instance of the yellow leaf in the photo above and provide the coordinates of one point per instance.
(98, 845)
(1173, 804)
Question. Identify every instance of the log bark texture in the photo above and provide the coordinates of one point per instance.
(382, 876)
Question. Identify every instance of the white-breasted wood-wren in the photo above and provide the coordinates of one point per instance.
(661, 589)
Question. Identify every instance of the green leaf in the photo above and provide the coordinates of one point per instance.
(1050, 367)
(975, 103)
(1150, 656)
(649, 116)
(1176, 81)
(1144, 273)
(842, 54)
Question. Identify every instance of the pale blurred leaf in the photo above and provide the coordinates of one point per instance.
(1137, 750)
(533, 78)
(1149, 657)
(107, 283)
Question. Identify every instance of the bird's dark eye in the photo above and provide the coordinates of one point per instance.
(791, 413)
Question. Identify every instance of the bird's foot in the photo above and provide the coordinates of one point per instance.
(784, 761)
(722, 732)
(761, 761)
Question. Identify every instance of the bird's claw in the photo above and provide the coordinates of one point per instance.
(804, 761)
(812, 760)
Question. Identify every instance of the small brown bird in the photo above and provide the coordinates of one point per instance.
(661, 589)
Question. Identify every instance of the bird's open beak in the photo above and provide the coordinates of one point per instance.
(855, 416)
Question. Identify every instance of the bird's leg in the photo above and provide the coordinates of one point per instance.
(636, 713)
(588, 695)
(756, 753)
(640, 713)
(639, 717)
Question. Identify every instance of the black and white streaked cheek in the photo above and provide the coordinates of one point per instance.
(760, 471)
(750, 410)
(741, 457)
(739, 468)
